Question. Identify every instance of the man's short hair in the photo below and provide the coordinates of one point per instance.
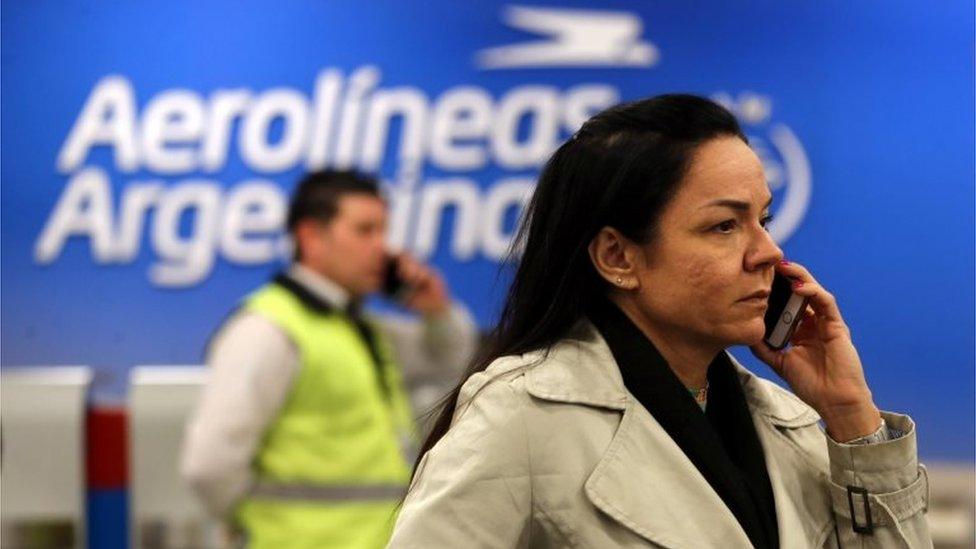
(318, 193)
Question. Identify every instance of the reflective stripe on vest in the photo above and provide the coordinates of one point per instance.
(336, 439)
(321, 492)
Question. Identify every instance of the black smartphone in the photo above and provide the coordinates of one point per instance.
(394, 287)
(784, 312)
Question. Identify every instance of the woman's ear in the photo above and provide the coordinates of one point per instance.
(614, 257)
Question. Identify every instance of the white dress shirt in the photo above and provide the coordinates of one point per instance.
(253, 364)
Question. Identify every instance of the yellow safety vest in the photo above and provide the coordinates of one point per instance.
(333, 465)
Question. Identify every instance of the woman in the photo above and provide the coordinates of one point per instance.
(606, 412)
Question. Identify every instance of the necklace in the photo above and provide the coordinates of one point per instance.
(700, 395)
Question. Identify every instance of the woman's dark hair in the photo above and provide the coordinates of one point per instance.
(619, 170)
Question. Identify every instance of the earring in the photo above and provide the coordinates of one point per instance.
(620, 280)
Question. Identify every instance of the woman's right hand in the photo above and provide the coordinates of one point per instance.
(822, 366)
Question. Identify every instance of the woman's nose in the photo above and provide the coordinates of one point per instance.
(765, 252)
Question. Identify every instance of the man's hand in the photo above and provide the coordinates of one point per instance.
(427, 293)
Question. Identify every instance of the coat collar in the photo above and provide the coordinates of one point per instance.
(580, 369)
(655, 501)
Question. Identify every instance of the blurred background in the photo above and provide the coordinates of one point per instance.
(148, 150)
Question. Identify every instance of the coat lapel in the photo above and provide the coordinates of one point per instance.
(646, 483)
(797, 474)
(643, 481)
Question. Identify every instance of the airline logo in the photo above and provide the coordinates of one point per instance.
(163, 189)
(572, 38)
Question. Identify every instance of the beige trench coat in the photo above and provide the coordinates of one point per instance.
(553, 451)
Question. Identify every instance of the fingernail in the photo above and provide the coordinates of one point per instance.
(797, 285)
(783, 262)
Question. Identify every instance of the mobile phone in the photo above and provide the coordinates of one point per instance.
(784, 312)
(394, 287)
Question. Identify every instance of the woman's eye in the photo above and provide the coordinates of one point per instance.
(725, 227)
(766, 219)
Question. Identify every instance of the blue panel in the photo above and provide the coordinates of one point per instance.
(108, 522)
(867, 105)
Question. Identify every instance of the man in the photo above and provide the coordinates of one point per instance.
(304, 434)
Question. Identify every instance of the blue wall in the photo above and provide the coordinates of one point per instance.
(863, 114)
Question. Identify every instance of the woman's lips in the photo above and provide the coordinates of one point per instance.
(760, 298)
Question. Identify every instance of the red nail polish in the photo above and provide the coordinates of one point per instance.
(797, 285)
(783, 262)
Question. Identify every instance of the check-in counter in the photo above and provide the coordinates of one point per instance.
(42, 455)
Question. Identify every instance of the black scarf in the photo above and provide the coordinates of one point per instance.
(722, 443)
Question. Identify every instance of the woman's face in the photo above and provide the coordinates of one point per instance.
(708, 272)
